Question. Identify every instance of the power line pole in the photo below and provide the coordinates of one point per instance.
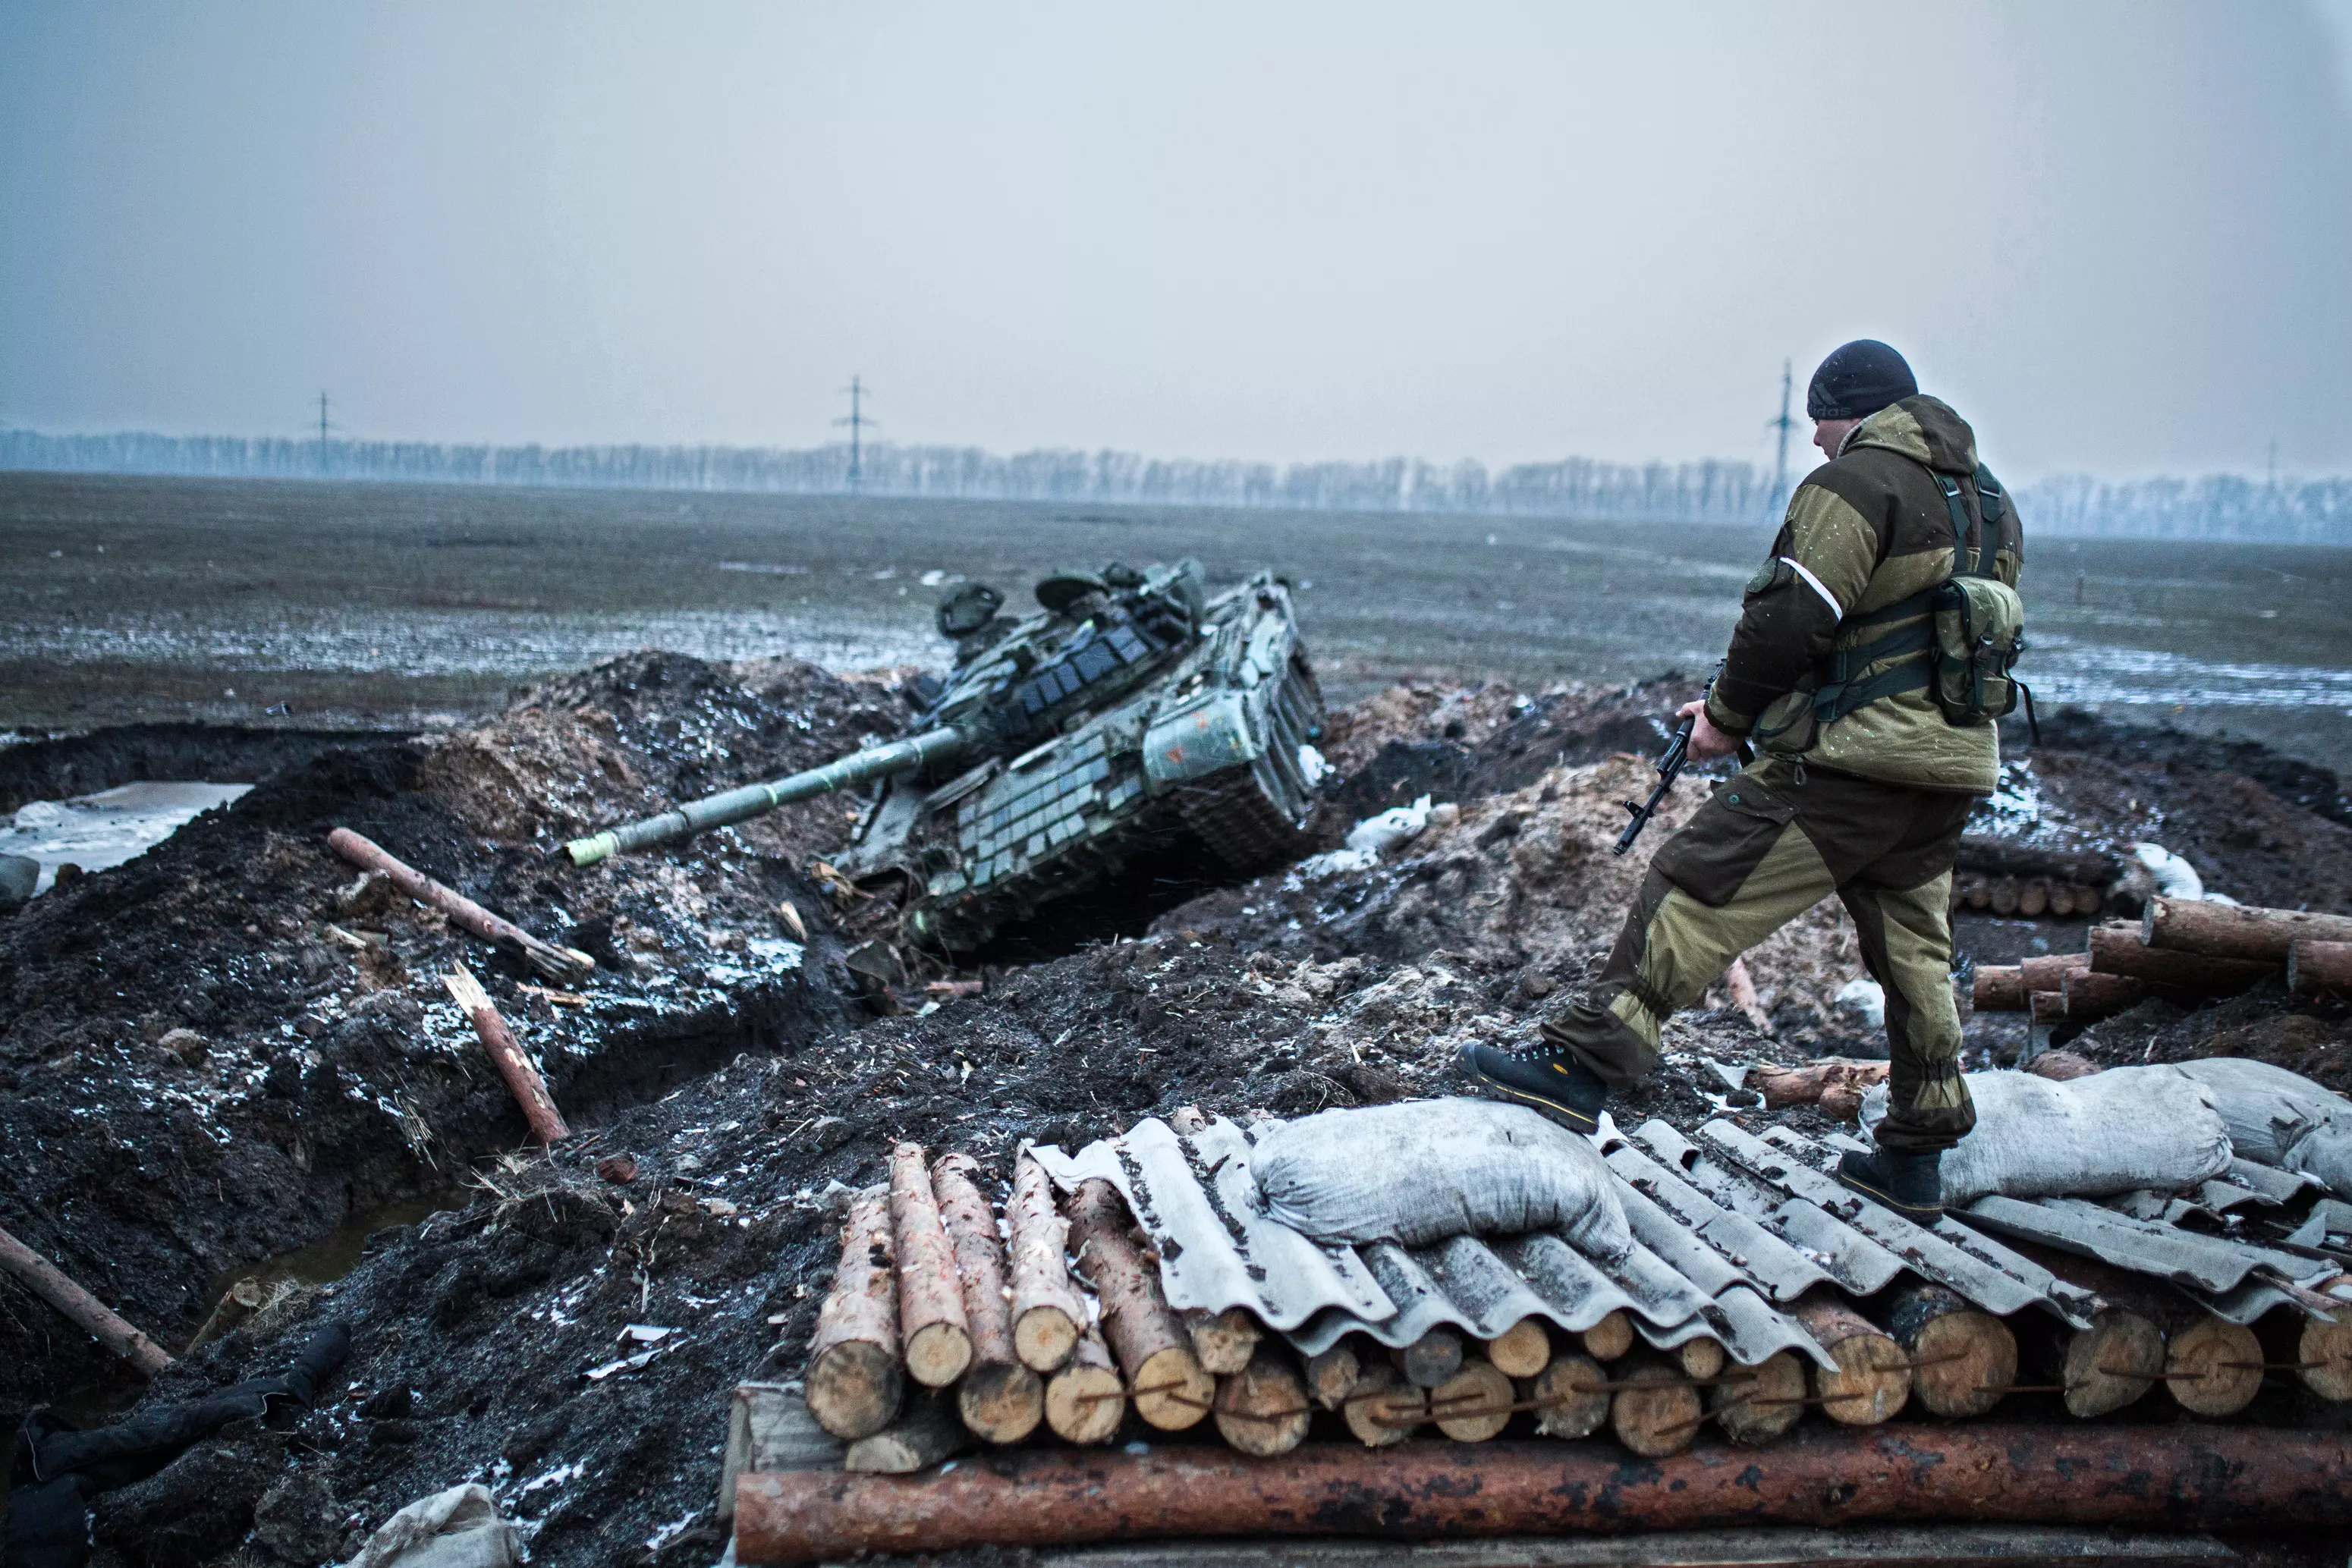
(323, 428)
(1783, 424)
(857, 424)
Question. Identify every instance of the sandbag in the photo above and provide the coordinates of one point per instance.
(1428, 1170)
(459, 1528)
(2118, 1131)
(2280, 1118)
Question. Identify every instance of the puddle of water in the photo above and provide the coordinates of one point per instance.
(95, 831)
(338, 1251)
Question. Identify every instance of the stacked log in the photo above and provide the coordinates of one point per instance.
(919, 1348)
(2185, 951)
(2007, 879)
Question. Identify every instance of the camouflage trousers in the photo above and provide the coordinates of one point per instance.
(1768, 845)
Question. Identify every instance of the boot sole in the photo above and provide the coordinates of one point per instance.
(1568, 1117)
(1926, 1217)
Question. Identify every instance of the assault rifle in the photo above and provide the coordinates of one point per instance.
(1670, 765)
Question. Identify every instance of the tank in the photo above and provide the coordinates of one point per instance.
(1135, 712)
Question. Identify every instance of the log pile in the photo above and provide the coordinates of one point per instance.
(2183, 951)
(944, 1326)
(2012, 880)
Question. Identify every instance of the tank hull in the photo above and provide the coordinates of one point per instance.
(1211, 746)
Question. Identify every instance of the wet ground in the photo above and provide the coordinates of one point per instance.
(287, 602)
(201, 1081)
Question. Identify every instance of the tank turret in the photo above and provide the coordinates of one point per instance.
(1135, 711)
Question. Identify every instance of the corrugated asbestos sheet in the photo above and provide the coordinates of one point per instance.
(1723, 1228)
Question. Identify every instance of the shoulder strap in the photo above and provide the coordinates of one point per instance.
(1967, 531)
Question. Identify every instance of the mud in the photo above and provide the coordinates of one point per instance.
(315, 1082)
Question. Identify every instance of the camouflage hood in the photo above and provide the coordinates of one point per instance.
(1922, 428)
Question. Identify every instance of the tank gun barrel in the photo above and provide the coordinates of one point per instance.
(755, 800)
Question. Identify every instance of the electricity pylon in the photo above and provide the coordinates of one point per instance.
(1783, 424)
(857, 424)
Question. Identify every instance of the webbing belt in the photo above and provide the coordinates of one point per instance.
(1838, 694)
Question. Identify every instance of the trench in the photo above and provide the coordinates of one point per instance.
(350, 1191)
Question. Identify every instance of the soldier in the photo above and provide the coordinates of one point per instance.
(1866, 765)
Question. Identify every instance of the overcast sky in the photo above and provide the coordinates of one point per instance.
(2117, 236)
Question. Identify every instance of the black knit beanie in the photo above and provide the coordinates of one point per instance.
(1857, 381)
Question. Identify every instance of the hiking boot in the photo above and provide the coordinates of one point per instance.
(1910, 1185)
(1543, 1076)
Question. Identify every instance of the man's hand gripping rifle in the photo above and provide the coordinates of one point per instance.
(1670, 765)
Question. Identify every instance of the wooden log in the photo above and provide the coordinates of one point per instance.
(1741, 985)
(1332, 1375)
(1473, 1405)
(933, 1336)
(1814, 1084)
(1997, 989)
(1655, 1411)
(2062, 1066)
(855, 1380)
(1523, 1349)
(564, 964)
(1223, 1341)
(238, 1303)
(2324, 1348)
(1981, 1472)
(1384, 1408)
(2319, 968)
(925, 1433)
(1430, 1359)
(1261, 1409)
(1962, 1358)
(1873, 1380)
(1001, 1400)
(1610, 1338)
(2089, 995)
(1975, 891)
(2213, 1366)
(522, 1079)
(78, 1307)
(1762, 1405)
(2061, 900)
(2087, 897)
(2047, 971)
(2117, 950)
(2115, 1361)
(1046, 1312)
(2004, 896)
(1171, 1388)
(2109, 1364)
(1701, 1358)
(2236, 930)
(2033, 898)
(1085, 1400)
(1570, 1396)
(2047, 1007)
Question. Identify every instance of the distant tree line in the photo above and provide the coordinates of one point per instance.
(1713, 491)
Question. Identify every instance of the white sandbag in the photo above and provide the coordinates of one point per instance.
(2118, 1130)
(1427, 1169)
(2280, 1118)
(459, 1528)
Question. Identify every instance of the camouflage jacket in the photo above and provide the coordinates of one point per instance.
(1863, 532)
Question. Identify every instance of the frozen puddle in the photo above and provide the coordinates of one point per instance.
(94, 832)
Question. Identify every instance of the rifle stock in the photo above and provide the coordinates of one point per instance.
(1670, 766)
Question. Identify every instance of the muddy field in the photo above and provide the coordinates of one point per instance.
(198, 1075)
(395, 606)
